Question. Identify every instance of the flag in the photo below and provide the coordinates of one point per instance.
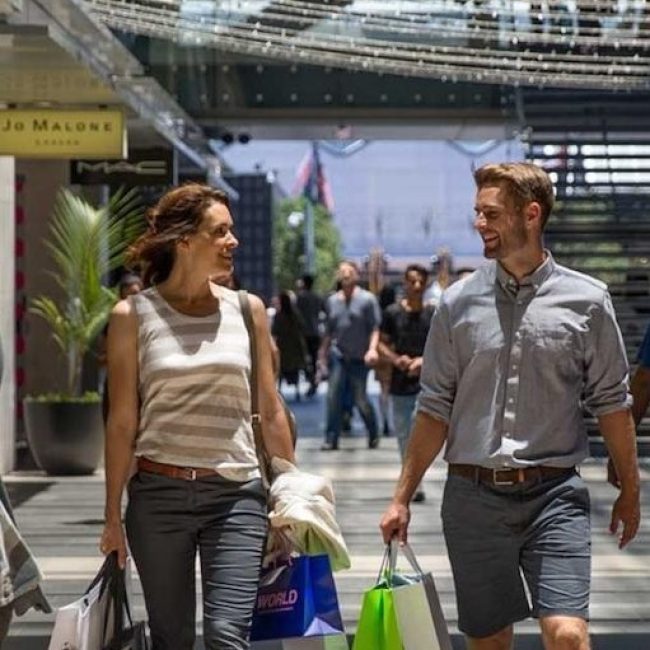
(311, 181)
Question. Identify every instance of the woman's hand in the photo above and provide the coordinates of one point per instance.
(113, 539)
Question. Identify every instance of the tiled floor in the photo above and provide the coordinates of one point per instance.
(61, 521)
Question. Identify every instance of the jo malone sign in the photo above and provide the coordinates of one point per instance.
(62, 134)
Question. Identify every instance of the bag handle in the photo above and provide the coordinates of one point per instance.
(384, 567)
(256, 418)
(118, 604)
(390, 558)
(104, 574)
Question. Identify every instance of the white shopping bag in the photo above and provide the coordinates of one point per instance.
(80, 625)
(419, 615)
(327, 642)
(86, 624)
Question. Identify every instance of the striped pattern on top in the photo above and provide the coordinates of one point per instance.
(195, 401)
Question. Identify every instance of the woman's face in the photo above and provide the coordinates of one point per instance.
(212, 246)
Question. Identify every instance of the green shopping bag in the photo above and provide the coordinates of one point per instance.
(377, 628)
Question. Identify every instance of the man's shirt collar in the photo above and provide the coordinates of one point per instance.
(533, 280)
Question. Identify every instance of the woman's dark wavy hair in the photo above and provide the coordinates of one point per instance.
(177, 215)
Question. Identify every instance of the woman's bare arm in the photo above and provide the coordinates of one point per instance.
(121, 428)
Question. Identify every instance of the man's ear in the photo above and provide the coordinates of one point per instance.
(533, 214)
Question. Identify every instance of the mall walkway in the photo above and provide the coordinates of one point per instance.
(61, 520)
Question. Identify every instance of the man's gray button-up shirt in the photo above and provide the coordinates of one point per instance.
(510, 366)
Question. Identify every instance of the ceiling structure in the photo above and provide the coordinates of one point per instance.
(601, 44)
(199, 74)
(450, 69)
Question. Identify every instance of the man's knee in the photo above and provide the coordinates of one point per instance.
(565, 633)
(501, 640)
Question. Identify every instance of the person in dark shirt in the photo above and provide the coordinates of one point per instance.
(288, 332)
(311, 306)
(403, 333)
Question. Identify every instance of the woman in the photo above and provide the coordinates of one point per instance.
(288, 332)
(178, 376)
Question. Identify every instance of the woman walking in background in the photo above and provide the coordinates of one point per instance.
(288, 331)
(178, 374)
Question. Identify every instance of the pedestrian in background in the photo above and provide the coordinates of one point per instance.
(178, 371)
(384, 368)
(349, 349)
(641, 380)
(403, 332)
(514, 353)
(288, 333)
(311, 307)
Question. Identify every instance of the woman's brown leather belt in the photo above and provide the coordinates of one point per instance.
(174, 471)
(508, 475)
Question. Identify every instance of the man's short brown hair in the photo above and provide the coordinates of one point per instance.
(522, 183)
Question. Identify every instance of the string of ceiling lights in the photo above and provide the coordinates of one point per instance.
(420, 44)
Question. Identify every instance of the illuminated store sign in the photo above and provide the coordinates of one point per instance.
(62, 134)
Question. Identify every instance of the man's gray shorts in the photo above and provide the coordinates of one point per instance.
(497, 537)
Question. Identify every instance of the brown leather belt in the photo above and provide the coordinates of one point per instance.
(508, 475)
(174, 471)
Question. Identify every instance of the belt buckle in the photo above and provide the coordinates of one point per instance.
(192, 473)
(495, 477)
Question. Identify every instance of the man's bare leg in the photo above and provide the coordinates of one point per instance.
(501, 640)
(564, 633)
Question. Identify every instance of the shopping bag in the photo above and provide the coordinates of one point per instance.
(297, 598)
(377, 627)
(419, 616)
(127, 635)
(81, 625)
(133, 637)
(327, 642)
(402, 611)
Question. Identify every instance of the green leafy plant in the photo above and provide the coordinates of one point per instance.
(86, 244)
(289, 246)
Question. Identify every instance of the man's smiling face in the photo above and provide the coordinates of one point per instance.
(499, 224)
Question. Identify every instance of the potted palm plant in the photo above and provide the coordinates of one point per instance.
(65, 429)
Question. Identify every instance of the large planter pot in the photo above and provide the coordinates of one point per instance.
(65, 437)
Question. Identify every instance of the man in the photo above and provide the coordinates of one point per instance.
(514, 352)
(403, 332)
(349, 347)
(311, 306)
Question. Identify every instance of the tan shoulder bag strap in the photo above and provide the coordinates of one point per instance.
(256, 418)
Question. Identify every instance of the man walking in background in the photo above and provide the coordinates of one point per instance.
(514, 352)
(403, 332)
(348, 349)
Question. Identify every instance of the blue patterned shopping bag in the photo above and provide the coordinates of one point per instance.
(297, 598)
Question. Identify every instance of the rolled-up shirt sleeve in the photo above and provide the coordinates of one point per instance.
(606, 368)
(438, 376)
